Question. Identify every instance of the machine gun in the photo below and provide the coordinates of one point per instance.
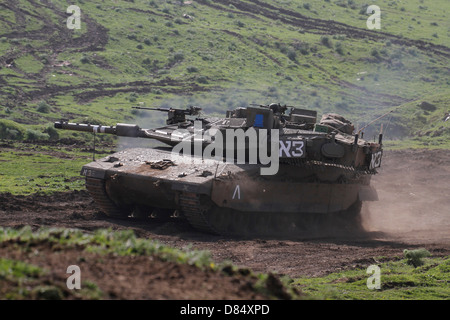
(175, 116)
(276, 108)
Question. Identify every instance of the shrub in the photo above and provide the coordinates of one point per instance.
(43, 107)
(35, 135)
(202, 79)
(85, 59)
(177, 56)
(292, 55)
(375, 53)
(339, 49)
(10, 130)
(325, 41)
(52, 132)
(192, 69)
(240, 24)
(133, 97)
(414, 257)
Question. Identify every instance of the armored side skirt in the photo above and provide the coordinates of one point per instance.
(238, 189)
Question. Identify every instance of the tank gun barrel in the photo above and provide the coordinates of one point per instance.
(121, 129)
(153, 109)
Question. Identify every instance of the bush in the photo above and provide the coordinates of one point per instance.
(34, 135)
(325, 41)
(43, 107)
(132, 36)
(414, 257)
(339, 49)
(52, 132)
(133, 97)
(375, 53)
(292, 55)
(11, 130)
(240, 24)
(192, 69)
(177, 57)
(202, 79)
(85, 59)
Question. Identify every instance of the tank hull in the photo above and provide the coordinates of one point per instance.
(221, 197)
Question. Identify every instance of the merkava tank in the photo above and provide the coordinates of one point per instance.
(260, 170)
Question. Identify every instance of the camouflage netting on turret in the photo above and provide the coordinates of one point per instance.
(338, 122)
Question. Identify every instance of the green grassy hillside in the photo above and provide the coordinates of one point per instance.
(223, 54)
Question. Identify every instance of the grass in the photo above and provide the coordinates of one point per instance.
(34, 168)
(24, 276)
(105, 241)
(22, 281)
(399, 281)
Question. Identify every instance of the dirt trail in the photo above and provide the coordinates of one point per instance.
(315, 25)
(412, 212)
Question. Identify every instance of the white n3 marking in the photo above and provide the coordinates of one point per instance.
(285, 148)
(237, 192)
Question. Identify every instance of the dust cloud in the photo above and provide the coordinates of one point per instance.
(414, 196)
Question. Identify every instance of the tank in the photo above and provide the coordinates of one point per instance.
(259, 170)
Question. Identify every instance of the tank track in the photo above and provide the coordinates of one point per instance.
(97, 190)
(207, 217)
(194, 212)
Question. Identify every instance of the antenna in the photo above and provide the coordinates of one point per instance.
(382, 116)
(93, 151)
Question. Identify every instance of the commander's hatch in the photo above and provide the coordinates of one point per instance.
(261, 118)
